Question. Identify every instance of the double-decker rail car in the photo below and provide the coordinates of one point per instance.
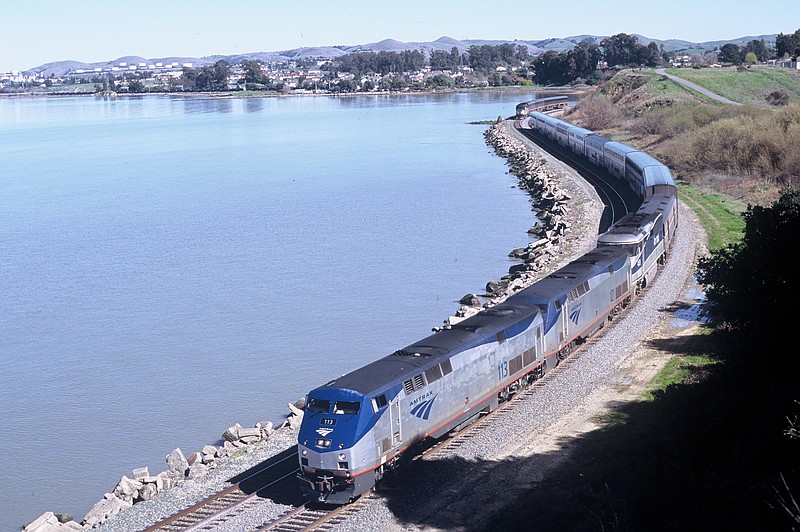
(593, 148)
(614, 156)
(577, 139)
(646, 175)
(646, 236)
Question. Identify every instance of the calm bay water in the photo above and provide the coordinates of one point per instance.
(172, 266)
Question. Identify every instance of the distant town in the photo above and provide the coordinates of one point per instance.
(395, 66)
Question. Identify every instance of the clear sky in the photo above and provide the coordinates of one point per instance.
(34, 32)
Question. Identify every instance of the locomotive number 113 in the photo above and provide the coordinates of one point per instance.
(502, 370)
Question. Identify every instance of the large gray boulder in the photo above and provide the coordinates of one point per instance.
(147, 492)
(127, 488)
(232, 434)
(44, 523)
(197, 470)
(470, 300)
(177, 464)
(104, 509)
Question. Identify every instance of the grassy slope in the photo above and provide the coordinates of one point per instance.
(749, 86)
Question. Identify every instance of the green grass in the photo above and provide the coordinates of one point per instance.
(719, 214)
(749, 86)
(666, 88)
(678, 370)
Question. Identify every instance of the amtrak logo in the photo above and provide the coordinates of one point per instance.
(423, 409)
(324, 432)
(575, 315)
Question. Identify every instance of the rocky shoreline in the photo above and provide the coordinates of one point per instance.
(568, 211)
(562, 205)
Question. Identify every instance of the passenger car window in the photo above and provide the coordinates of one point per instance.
(320, 406)
(346, 407)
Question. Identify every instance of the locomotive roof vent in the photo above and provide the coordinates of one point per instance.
(468, 328)
(407, 353)
(500, 312)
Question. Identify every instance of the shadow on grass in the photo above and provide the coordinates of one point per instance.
(702, 456)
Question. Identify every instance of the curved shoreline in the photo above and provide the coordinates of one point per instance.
(232, 95)
(572, 213)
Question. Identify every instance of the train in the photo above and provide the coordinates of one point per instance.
(366, 423)
(551, 103)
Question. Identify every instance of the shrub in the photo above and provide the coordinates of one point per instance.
(650, 123)
(777, 98)
(597, 112)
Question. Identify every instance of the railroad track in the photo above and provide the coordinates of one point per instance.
(210, 512)
(249, 490)
(314, 518)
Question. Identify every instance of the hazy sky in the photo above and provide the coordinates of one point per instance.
(33, 32)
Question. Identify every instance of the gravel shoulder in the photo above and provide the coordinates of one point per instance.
(515, 451)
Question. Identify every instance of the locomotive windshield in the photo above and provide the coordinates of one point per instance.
(319, 406)
(346, 407)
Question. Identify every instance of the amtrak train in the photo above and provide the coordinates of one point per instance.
(363, 424)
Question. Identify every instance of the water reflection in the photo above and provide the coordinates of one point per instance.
(254, 105)
(202, 104)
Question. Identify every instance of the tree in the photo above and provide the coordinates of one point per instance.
(439, 81)
(552, 68)
(441, 60)
(584, 57)
(788, 45)
(221, 71)
(730, 53)
(750, 58)
(253, 72)
(136, 85)
(623, 49)
(753, 283)
(653, 56)
(759, 48)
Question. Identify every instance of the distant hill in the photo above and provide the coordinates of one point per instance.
(535, 47)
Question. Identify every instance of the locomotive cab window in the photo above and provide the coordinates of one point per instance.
(346, 407)
(379, 402)
(318, 406)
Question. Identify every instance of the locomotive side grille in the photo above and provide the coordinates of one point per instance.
(433, 374)
(418, 382)
(515, 364)
(529, 356)
(447, 368)
(409, 386)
